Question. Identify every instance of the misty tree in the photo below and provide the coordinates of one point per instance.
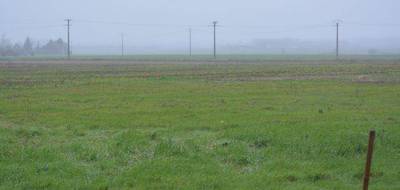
(28, 47)
(52, 47)
(372, 51)
(17, 50)
(5, 46)
(4, 41)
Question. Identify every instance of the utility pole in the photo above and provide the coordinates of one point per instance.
(122, 44)
(337, 40)
(215, 39)
(68, 37)
(190, 41)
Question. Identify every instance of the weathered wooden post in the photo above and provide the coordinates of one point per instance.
(369, 159)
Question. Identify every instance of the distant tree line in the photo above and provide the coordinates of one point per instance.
(28, 48)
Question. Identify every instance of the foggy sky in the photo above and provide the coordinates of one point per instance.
(166, 22)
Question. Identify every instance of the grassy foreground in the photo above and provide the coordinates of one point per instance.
(156, 125)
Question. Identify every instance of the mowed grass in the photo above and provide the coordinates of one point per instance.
(222, 125)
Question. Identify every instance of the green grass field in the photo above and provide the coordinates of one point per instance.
(282, 124)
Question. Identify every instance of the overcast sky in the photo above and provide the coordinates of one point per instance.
(97, 22)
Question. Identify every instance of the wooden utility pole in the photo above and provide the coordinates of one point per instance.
(68, 38)
(190, 41)
(122, 44)
(215, 39)
(337, 40)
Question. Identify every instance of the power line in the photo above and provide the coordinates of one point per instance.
(137, 24)
(225, 26)
(30, 27)
(291, 30)
(373, 24)
(275, 26)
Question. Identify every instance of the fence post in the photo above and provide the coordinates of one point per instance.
(369, 159)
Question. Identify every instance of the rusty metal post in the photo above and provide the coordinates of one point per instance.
(367, 173)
